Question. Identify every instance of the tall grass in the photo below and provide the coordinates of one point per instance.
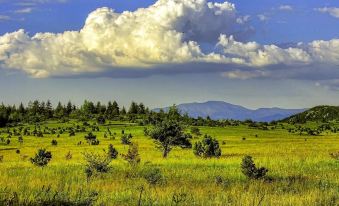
(301, 172)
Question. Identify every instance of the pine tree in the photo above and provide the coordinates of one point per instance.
(133, 109)
(116, 109)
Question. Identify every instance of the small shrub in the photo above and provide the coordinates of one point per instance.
(249, 169)
(112, 152)
(96, 164)
(335, 155)
(20, 140)
(72, 133)
(92, 139)
(17, 151)
(68, 156)
(39, 134)
(1, 158)
(152, 175)
(126, 139)
(220, 181)
(132, 156)
(195, 131)
(8, 141)
(54, 142)
(42, 158)
(208, 147)
(101, 120)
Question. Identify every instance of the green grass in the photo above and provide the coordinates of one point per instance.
(302, 171)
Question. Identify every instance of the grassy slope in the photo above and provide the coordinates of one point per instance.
(319, 114)
(303, 171)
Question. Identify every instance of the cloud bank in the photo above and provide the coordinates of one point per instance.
(167, 35)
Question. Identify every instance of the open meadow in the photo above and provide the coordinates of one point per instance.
(301, 169)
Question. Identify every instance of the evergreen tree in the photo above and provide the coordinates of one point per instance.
(123, 111)
(109, 110)
(141, 109)
(133, 109)
(88, 108)
(69, 108)
(59, 111)
(49, 109)
(116, 109)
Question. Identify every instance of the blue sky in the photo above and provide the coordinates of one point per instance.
(161, 76)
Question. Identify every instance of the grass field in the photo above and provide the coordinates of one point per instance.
(301, 170)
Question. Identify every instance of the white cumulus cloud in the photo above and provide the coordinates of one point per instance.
(166, 32)
(170, 32)
(333, 11)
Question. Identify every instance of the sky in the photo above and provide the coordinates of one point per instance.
(258, 53)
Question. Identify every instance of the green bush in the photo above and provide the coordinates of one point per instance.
(96, 164)
(152, 175)
(126, 139)
(42, 158)
(208, 147)
(20, 140)
(54, 142)
(112, 152)
(132, 156)
(68, 156)
(249, 169)
(92, 139)
(195, 131)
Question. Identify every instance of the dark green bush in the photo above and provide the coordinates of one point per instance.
(96, 164)
(195, 131)
(54, 142)
(92, 139)
(126, 139)
(101, 120)
(112, 152)
(20, 140)
(152, 175)
(208, 147)
(42, 158)
(249, 169)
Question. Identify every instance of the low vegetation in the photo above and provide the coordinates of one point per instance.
(201, 161)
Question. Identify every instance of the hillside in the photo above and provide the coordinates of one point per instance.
(223, 110)
(318, 113)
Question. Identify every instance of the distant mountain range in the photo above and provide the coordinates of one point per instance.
(222, 110)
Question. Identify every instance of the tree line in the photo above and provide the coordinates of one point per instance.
(37, 111)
